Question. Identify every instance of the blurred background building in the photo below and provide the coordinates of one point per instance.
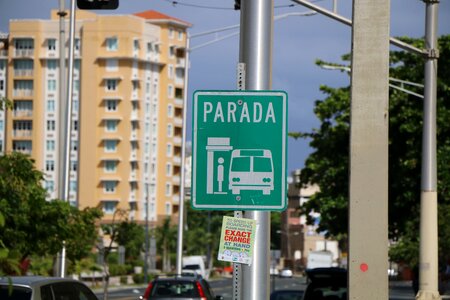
(127, 108)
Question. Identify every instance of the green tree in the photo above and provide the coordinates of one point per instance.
(132, 237)
(327, 165)
(166, 241)
(33, 225)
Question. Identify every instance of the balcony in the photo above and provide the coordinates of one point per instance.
(23, 52)
(179, 102)
(177, 140)
(23, 113)
(22, 93)
(181, 61)
(3, 53)
(22, 133)
(23, 72)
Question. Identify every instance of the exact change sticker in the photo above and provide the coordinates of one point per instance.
(237, 240)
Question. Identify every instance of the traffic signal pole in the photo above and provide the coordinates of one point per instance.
(255, 51)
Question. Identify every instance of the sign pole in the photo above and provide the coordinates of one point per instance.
(256, 52)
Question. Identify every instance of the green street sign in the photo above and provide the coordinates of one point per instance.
(239, 150)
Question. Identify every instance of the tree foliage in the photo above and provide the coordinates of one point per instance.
(132, 237)
(328, 164)
(33, 225)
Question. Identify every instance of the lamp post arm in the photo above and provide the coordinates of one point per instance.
(339, 18)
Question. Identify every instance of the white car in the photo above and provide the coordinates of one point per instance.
(286, 273)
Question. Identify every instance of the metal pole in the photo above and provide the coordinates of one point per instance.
(68, 125)
(62, 108)
(368, 207)
(428, 260)
(183, 161)
(146, 235)
(256, 41)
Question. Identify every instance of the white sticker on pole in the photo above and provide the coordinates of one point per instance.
(237, 240)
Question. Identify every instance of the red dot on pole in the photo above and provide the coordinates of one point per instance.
(364, 267)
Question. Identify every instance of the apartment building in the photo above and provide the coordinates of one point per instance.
(126, 112)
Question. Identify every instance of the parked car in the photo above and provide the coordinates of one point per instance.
(286, 273)
(326, 284)
(43, 288)
(180, 288)
(287, 295)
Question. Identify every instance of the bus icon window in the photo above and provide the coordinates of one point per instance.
(251, 169)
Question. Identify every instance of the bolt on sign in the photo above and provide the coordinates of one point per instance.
(239, 150)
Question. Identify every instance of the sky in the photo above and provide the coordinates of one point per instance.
(298, 42)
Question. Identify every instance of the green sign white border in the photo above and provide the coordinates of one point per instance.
(284, 187)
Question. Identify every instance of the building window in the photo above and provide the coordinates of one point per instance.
(170, 71)
(74, 145)
(110, 146)
(170, 91)
(169, 169)
(76, 86)
(171, 51)
(75, 125)
(51, 125)
(73, 186)
(22, 146)
(169, 130)
(50, 145)
(168, 208)
(51, 64)
(170, 110)
(168, 189)
(74, 165)
(49, 186)
(1, 125)
(109, 207)
(77, 44)
(135, 85)
(110, 166)
(112, 44)
(109, 186)
(169, 150)
(180, 35)
(75, 105)
(136, 45)
(111, 105)
(51, 105)
(50, 165)
(111, 125)
(2, 85)
(171, 33)
(51, 44)
(112, 65)
(51, 85)
(111, 84)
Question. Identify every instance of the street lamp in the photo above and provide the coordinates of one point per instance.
(391, 79)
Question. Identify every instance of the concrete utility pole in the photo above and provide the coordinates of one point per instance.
(368, 208)
(428, 260)
(255, 51)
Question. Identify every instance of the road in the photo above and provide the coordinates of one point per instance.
(223, 286)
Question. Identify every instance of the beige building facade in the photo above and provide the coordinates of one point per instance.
(127, 108)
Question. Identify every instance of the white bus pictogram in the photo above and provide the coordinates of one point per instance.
(251, 169)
